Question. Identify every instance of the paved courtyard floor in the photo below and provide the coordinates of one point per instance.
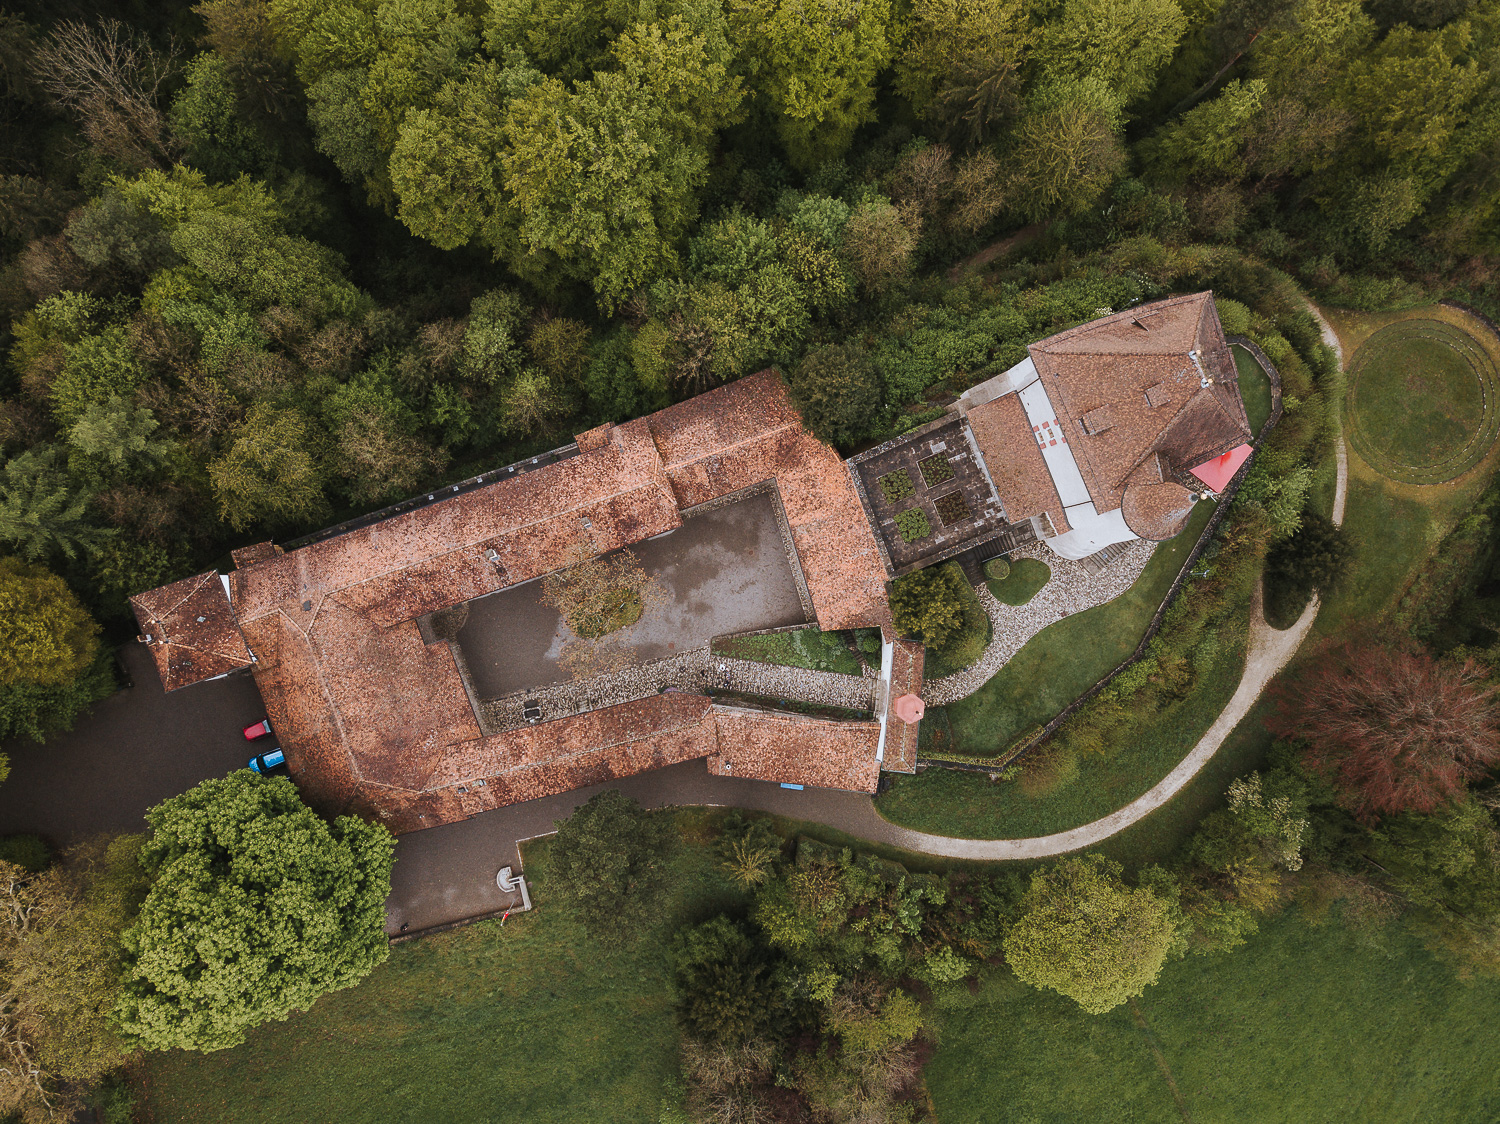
(724, 571)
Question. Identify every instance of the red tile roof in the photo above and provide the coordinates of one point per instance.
(190, 630)
(1025, 487)
(373, 719)
(1144, 369)
(796, 749)
(906, 678)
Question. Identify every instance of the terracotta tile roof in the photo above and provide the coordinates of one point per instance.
(373, 719)
(906, 678)
(191, 630)
(796, 749)
(1157, 512)
(748, 433)
(1144, 368)
(1025, 487)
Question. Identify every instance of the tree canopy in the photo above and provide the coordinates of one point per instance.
(256, 908)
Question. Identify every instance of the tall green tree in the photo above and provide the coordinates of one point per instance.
(256, 908)
(41, 513)
(46, 637)
(268, 475)
(608, 860)
(814, 63)
(1121, 43)
(1084, 933)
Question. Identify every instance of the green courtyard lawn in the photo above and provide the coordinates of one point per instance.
(953, 802)
(1067, 658)
(533, 1021)
(1025, 581)
(1300, 1024)
(1255, 387)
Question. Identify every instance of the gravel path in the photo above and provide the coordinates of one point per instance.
(1071, 589)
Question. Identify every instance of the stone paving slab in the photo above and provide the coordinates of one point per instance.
(694, 670)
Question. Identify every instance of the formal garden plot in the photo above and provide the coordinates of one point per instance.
(1422, 401)
(952, 508)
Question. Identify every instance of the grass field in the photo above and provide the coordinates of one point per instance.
(1301, 1024)
(1067, 658)
(533, 1021)
(1255, 388)
(950, 802)
(1420, 401)
(1025, 581)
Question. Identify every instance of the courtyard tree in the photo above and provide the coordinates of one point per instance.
(598, 595)
(1394, 729)
(928, 605)
(256, 908)
(608, 861)
(1084, 933)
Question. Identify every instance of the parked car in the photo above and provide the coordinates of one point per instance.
(265, 762)
(258, 729)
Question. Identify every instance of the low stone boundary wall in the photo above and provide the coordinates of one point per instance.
(1226, 500)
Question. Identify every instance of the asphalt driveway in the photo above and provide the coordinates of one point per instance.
(138, 747)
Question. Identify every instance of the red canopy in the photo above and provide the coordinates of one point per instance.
(1218, 472)
(909, 708)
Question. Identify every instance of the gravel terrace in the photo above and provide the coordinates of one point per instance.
(687, 671)
(1071, 589)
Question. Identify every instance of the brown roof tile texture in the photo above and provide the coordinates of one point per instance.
(1115, 361)
(796, 749)
(192, 628)
(1157, 512)
(1003, 434)
(906, 679)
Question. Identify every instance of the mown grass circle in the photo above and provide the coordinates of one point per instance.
(1422, 401)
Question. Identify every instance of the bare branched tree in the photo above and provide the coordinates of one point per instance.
(110, 76)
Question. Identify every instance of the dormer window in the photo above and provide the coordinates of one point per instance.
(1158, 395)
(1097, 420)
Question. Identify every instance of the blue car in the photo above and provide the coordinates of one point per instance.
(265, 762)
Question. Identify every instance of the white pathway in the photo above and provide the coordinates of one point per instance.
(1269, 651)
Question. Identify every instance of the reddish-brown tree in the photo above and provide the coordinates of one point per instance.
(1394, 729)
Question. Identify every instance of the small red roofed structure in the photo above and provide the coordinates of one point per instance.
(910, 708)
(1218, 472)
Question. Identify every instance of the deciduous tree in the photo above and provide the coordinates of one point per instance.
(1084, 933)
(269, 474)
(608, 860)
(46, 636)
(928, 605)
(837, 389)
(1395, 729)
(257, 907)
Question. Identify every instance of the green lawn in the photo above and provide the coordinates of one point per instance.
(1301, 1024)
(1416, 405)
(951, 802)
(1255, 388)
(531, 1022)
(1025, 581)
(1067, 658)
(805, 647)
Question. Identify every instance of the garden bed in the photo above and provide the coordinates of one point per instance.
(806, 648)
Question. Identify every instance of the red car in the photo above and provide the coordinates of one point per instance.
(258, 730)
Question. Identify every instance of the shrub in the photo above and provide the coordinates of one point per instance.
(928, 605)
(913, 524)
(997, 569)
(935, 470)
(25, 851)
(896, 486)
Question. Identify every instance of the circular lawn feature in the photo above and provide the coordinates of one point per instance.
(1025, 580)
(1422, 401)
